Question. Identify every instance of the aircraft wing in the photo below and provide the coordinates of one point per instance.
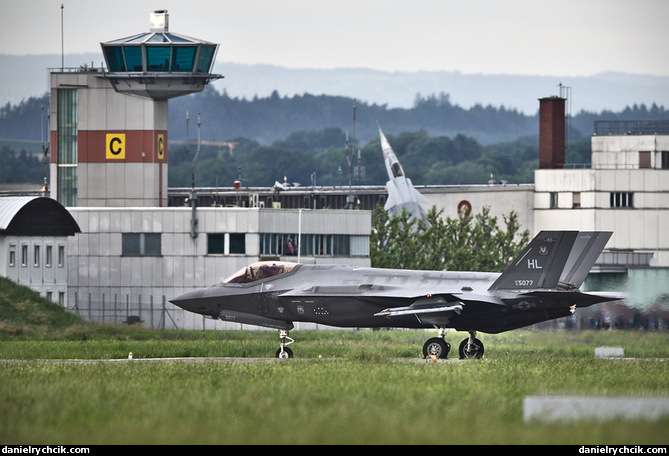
(401, 191)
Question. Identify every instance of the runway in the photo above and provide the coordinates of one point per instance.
(210, 359)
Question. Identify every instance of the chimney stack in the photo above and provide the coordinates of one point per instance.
(159, 21)
(551, 132)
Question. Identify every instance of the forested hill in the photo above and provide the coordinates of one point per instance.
(272, 118)
(302, 138)
(275, 117)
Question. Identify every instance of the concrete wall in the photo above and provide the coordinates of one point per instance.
(137, 179)
(501, 199)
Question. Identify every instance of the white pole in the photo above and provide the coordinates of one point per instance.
(299, 235)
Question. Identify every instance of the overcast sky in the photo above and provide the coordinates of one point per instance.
(534, 37)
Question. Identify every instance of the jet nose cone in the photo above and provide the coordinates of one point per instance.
(188, 300)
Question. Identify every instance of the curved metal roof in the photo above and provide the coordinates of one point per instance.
(35, 216)
(157, 38)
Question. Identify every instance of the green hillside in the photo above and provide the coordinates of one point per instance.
(25, 314)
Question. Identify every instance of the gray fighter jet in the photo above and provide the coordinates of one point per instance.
(401, 193)
(540, 285)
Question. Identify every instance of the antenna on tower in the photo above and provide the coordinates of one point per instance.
(45, 160)
(193, 194)
(62, 40)
(350, 199)
(565, 92)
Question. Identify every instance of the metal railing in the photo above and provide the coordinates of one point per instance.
(631, 127)
(154, 313)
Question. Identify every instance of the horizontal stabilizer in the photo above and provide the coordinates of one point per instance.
(554, 259)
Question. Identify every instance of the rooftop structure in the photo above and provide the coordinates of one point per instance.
(159, 64)
(33, 244)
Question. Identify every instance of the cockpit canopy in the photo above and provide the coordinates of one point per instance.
(259, 271)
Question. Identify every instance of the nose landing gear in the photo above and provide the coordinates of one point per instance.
(284, 352)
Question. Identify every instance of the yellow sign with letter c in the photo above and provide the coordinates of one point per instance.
(161, 146)
(115, 146)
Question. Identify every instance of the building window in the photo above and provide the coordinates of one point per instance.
(360, 246)
(49, 256)
(24, 255)
(215, 244)
(36, 255)
(12, 255)
(320, 245)
(576, 199)
(621, 199)
(644, 159)
(553, 200)
(665, 159)
(141, 244)
(237, 243)
(61, 256)
(278, 244)
(67, 147)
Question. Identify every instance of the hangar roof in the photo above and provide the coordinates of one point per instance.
(35, 216)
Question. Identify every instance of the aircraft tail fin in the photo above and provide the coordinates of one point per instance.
(554, 259)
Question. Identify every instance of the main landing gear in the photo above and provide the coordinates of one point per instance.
(471, 347)
(284, 352)
(437, 347)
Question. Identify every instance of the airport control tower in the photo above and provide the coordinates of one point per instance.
(109, 126)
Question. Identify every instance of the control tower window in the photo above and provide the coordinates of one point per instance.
(205, 58)
(133, 58)
(183, 58)
(158, 58)
(115, 60)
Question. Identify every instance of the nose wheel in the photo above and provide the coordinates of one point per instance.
(284, 352)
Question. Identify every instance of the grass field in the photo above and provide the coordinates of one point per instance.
(342, 387)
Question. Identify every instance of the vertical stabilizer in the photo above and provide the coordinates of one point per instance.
(553, 259)
(587, 248)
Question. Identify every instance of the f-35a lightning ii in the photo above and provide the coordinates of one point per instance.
(541, 284)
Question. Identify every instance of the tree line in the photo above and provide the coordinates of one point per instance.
(313, 140)
(304, 158)
(469, 242)
(273, 118)
(20, 167)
